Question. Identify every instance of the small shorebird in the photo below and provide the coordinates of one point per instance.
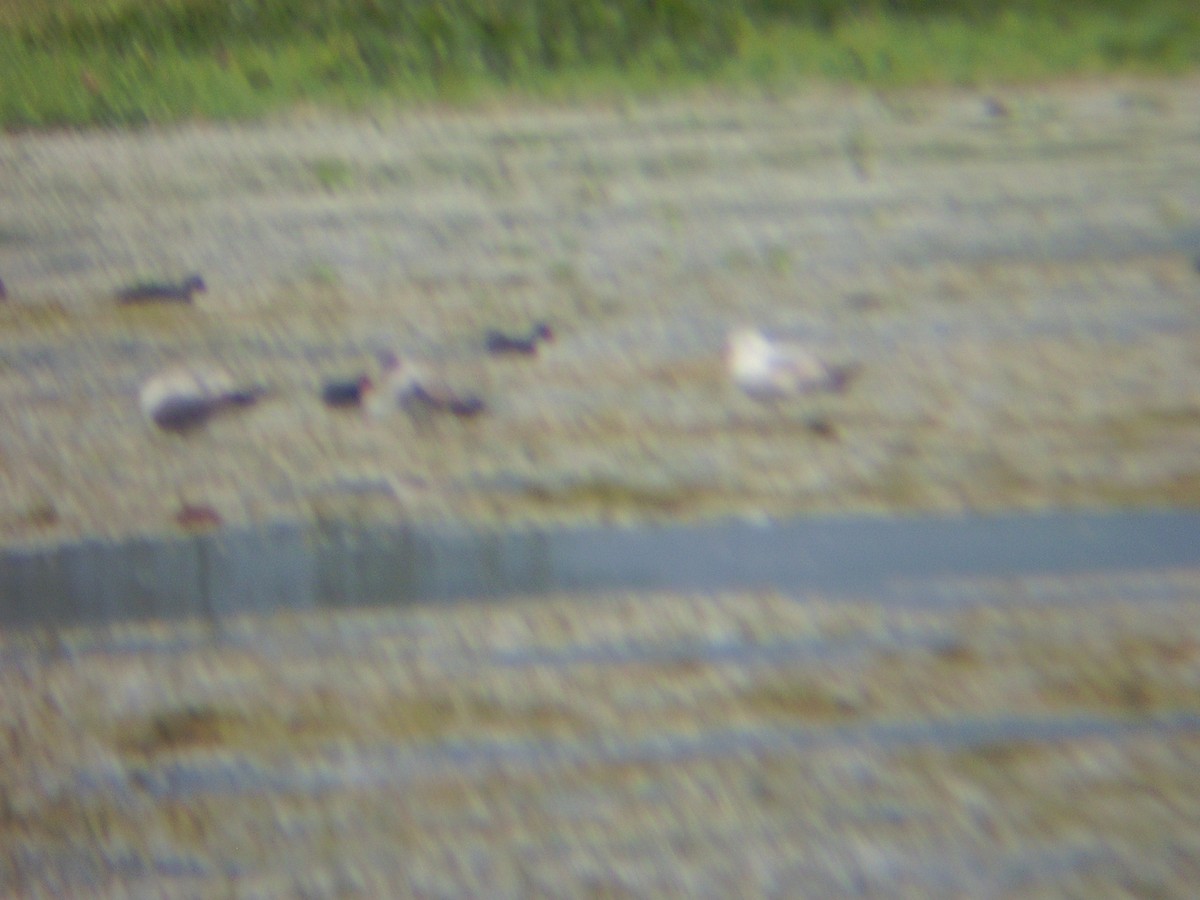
(412, 386)
(152, 292)
(497, 342)
(767, 369)
(184, 397)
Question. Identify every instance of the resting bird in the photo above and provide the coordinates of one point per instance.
(152, 292)
(182, 398)
(767, 369)
(498, 342)
(412, 386)
(346, 392)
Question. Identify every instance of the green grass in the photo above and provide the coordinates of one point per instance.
(123, 62)
(1012, 47)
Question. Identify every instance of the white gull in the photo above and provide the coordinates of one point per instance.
(770, 369)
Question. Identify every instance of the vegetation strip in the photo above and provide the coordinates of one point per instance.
(70, 62)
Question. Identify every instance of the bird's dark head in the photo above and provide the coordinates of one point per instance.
(194, 283)
(543, 332)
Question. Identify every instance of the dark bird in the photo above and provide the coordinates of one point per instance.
(3, 292)
(345, 392)
(498, 342)
(464, 405)
(154, 292)
(183, 398)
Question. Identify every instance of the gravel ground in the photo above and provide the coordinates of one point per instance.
(1042, 738)
(1020, 290)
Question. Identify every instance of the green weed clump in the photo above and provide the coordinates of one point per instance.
(134, 61)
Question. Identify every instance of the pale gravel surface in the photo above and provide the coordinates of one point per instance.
(1044, 742)
(1020, 290)
(1022, 295)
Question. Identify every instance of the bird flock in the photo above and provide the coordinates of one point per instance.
(181, 398)
(184, 397)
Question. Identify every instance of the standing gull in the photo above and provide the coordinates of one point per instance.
(767, 369)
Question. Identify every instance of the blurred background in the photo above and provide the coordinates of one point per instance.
(585, 615)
